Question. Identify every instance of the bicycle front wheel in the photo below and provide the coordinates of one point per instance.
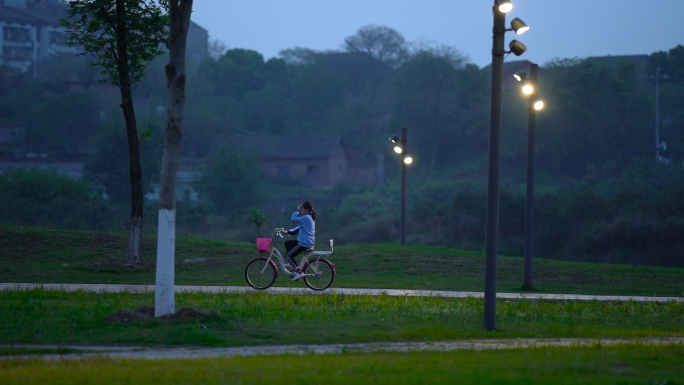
(261, 274)
(319, 274)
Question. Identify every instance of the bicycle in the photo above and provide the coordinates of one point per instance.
(319, 272)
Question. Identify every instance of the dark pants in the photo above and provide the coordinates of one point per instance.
(293, 249)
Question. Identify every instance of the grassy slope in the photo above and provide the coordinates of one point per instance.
(631, 364)
(59, 256)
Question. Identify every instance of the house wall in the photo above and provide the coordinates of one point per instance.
(323, 172)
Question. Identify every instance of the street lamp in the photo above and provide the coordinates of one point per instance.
(400, 148)
(501, 7)
(534, 105)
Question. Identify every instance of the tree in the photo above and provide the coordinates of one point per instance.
(62, 124)
(34, 197)
(671, 99)
(123, 36)
(179, 22)
(596, 116)
(230, 181)
(381, 42)
(441, 101)
(106, 168)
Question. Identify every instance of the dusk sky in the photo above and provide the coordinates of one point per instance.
(558, 29)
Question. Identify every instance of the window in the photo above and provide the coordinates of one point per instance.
(57, 37)
(312, 173)
(16, 53)
(16, 34)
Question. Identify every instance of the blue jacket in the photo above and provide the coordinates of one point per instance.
(305, 230)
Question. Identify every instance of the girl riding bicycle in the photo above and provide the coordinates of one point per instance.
(305, 219)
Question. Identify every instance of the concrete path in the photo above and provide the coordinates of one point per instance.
(345, 291)
(132, 352)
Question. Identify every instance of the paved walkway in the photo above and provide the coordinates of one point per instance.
(133, 352)
(112, 288)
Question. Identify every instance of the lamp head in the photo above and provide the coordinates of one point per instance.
(408, 160)
(520, 75)
(398, 149)
(505, 6)
(527, 89)
(517, 47)
(394, 138)
(538, 105)
(519, 26)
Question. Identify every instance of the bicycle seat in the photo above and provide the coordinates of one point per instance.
(330, 243)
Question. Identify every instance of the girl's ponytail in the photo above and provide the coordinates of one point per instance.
(309, 206)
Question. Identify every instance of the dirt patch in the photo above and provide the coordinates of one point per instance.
(114, 265)
(145, 312)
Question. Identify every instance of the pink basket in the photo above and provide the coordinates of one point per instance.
(263, 245)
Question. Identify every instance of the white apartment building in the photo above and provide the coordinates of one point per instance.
(31, 33)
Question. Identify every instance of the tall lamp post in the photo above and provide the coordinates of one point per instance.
(501, 7)
(534, 105)
(400, 148)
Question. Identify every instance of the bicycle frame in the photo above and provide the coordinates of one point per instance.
(317, 272)
(274, 252)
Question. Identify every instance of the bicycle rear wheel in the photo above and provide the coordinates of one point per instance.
(319, 274)
(261, 274)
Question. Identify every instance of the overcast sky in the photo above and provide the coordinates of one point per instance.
(558, 28)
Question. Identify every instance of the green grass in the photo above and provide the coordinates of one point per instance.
(62, 256)
(623, 364)
(58, 317)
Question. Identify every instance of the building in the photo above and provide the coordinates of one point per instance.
(319, 161)
(31, 35)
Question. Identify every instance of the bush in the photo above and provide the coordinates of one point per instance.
(46, 198)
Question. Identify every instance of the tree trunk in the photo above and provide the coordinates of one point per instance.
(134, 249)
(179, 22)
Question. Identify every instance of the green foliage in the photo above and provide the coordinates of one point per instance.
(257, 218)
(96, 25)
(108, 167)
(597, 112)
(67, 256)
(62, 124)
(437, 98)
(230, 181)
(383, 43)
(256, 318)
(44, 197)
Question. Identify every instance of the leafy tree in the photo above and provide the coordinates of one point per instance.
(62, 124)
(123, 36)
(107, 168)
(381, 42)
(442, 105)
(230, 181)
(671, 98)
(46, 198)
(597, 112)
(258, 219)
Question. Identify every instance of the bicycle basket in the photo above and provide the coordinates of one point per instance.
(263, 245)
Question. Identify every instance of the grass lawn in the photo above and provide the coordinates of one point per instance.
(233, 319)
(624, 364)
(62, 256)
(256, 318)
